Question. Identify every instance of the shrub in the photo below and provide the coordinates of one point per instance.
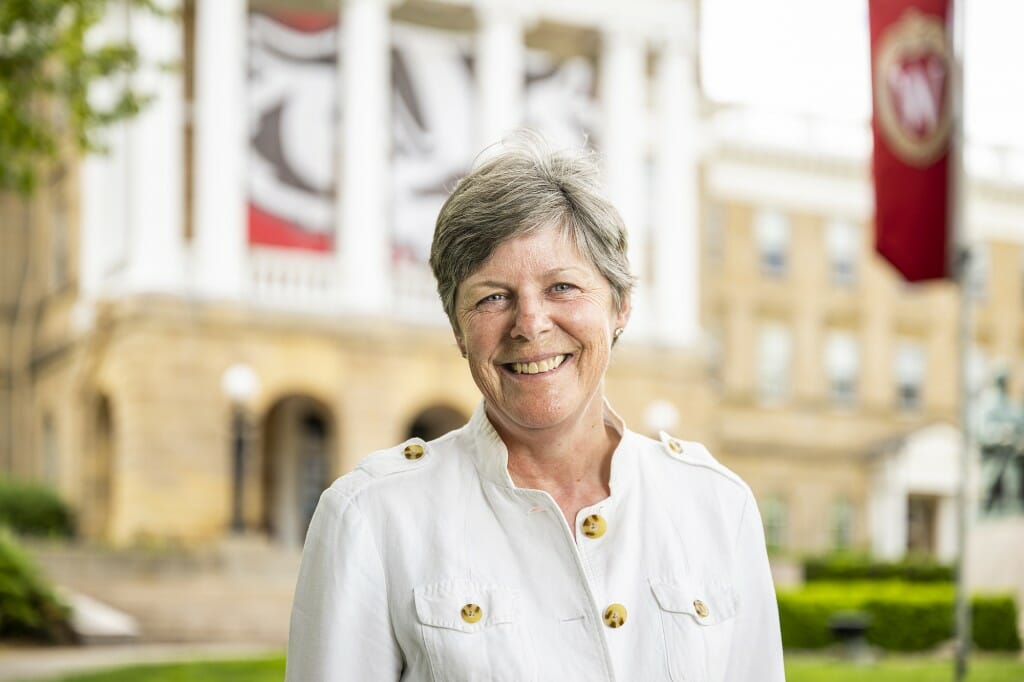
(903, 616)
(994, 623)
(28, 607)
(860, 567)
(33, 509)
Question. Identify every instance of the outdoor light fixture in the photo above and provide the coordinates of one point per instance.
(241, 385)
(661, 415)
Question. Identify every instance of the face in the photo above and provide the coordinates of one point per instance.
(536, 322)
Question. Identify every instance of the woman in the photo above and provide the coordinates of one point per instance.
(543, 540)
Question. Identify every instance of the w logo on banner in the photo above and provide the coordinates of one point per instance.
(912, 66)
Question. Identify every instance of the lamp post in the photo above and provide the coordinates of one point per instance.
(660, 415)
(240, 384)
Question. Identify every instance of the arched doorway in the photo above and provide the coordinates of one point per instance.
(298, 438)
(434, 422)
(97, 470)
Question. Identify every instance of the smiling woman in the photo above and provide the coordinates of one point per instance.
(543, 540)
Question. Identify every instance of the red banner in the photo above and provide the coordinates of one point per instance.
(911, 72)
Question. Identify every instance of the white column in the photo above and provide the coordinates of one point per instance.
(624, 144)
(676, 267)
(500, 70)
(364, 235)
(156, 157)
(220, 148)
(103, 180)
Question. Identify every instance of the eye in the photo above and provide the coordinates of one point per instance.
(563, 288)
(492, 299)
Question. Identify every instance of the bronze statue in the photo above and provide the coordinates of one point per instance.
(999, 433)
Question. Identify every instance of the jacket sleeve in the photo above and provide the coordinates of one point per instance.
(341, 625)
(756, 654)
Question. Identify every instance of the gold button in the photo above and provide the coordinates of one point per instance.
(471, 613)
(594, 526)
(674, 446)
(615, 616)
(413, 451)
(701, 607)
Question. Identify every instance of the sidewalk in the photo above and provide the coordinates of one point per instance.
(43, 663)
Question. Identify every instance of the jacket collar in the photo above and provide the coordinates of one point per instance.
(491, 455)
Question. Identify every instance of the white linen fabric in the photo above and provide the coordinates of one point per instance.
(440, 568)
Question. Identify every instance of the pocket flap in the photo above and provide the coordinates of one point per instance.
(708, 603)
(441, 605)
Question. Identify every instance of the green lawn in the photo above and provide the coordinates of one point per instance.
(263, 670)
(902, 669)
(798, 669)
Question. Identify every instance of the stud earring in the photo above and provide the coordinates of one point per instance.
(617, 333)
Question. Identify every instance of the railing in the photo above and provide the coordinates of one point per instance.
(308, 281)
(295, 280)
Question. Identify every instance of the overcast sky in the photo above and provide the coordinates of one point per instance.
(812, 56)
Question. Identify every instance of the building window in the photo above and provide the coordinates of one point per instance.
(841, 367)
(841, 243)
(979, 371)
(909, 365)
(59, 241)
(977, 273)
(51, 451)
(714, 238)
(774, 357)
(842, 525)
(771, 230)
(773, 511)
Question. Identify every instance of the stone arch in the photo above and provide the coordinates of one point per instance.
(297, 438)
(435, 421)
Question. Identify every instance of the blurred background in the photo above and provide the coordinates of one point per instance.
(223, 303)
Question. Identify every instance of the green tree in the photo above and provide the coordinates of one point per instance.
(47, 66)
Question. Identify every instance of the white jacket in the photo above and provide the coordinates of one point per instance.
(435, 566)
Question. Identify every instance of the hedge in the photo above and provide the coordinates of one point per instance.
(859, 567)
(33, 509)
(28, 607)
(902, 616)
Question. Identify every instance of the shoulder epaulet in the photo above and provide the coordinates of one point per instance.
(696, 454)
(409, 455)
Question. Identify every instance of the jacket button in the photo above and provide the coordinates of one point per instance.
(413, 451)
(594, 526)
(701, 608)
(615, 615)
(471, 613)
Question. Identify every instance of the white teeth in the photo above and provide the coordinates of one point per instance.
(538, 367)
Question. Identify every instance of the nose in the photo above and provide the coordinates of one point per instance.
(531, 318)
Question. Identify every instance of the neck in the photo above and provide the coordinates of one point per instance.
(571, 461)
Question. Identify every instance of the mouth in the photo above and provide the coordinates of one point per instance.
(537, 366)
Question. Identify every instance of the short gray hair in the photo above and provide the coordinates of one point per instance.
(525, 187)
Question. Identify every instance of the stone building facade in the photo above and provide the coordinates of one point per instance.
(764, 324)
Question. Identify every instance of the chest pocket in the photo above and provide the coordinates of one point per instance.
(697, 619)
(472, 631)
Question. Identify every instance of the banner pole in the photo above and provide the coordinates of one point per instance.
(963, 265)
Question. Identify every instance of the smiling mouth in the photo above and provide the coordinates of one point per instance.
(539, 367)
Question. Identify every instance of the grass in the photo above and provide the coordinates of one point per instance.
(260, 670)
(799, 668)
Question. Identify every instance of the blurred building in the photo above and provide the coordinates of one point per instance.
(210, 323)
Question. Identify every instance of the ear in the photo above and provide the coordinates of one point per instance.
(622, 317)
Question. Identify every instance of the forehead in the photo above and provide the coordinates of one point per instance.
(542, 250)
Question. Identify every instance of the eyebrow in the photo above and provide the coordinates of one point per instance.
(548, 274)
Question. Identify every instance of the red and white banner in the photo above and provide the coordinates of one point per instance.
(911, 71)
